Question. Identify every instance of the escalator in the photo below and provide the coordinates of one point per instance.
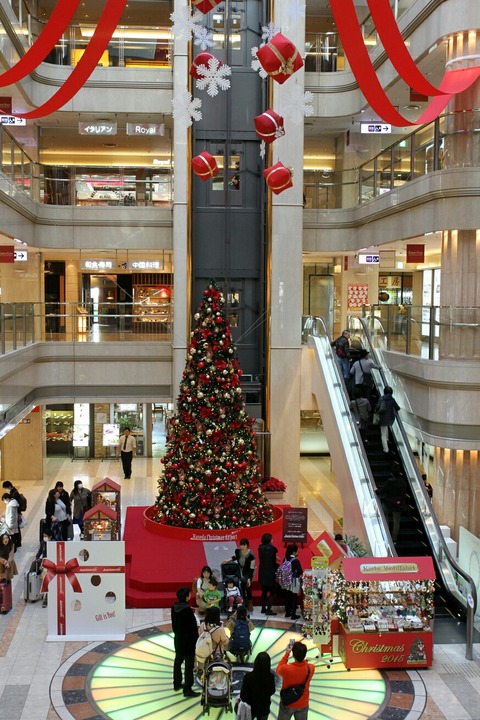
(419, 530)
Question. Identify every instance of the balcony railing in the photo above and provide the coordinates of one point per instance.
(22, 324)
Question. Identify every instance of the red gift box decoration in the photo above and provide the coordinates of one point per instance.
(202, 59)
(269, 126)
(205, 5)
(279, 58)
(205, 166)
(278, 177)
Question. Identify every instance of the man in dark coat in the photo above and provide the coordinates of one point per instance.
(267, 555)
(393, 497)
(184, 626)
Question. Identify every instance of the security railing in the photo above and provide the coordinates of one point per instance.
(427, 331)
(22, 324)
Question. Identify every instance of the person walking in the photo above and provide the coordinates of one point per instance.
(361, 371)
(267, 556)
(185, 631)
(126, 448)
(16, 495)
(300, 672)
(81, 499)
(393, 496)
(342, 352)
(360, 409)
(258, 686)
(386, 407)
(11, 519)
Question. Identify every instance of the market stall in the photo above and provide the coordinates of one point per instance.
(385, 607)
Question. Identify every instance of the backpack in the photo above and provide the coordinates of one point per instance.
(240, 636)
(204, 645)
(22, 502)
(284, 575)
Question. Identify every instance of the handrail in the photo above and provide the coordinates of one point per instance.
(432, 527)
(375, 523)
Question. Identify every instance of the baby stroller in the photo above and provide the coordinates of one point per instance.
(217, 685)
(230, 573)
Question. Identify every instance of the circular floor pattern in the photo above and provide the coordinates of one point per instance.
(133, 681)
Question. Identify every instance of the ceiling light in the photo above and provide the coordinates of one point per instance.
(411, 107)
(133, 32)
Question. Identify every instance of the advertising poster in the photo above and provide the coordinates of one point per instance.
(357, 296)
(111, 435)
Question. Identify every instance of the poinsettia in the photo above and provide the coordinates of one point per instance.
(273, 484)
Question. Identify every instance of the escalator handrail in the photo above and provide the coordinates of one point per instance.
(471, 605)
(310, 328)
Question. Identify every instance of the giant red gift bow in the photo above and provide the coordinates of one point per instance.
(454, 81)
(109, 19)
(68, 571)
(57, 23)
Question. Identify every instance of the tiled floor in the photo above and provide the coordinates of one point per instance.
(28, 662)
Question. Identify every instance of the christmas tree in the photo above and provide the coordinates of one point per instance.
(212, 472)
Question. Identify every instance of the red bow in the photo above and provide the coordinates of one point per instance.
(61, 568)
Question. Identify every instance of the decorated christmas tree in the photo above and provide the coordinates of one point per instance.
(212, 472)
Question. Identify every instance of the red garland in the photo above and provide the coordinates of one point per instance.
(109, 20)
(58, 22)
(454, 81)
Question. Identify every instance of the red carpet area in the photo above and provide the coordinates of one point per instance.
(160, 559)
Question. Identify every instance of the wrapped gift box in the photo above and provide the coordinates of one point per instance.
(278, 177)
(202, 59)
(279, 58)
(86, 590)
(204, 166)
(269, 126)
(205, 5)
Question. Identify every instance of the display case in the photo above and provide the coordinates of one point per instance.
(152, 312)
(59, 430)
(385, 607)
(107, 492)
(100, 523)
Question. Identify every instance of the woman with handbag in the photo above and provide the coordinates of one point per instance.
(81, 499)
(258, 686)
(56, 515)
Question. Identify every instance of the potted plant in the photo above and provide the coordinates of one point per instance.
(273, 488)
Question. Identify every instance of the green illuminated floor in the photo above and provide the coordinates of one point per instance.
(135, 682)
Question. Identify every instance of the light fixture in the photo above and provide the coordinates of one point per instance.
(132, 32)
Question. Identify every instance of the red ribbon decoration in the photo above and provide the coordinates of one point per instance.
(59, 20)
(68, 570)
(401, 59)
(109, 19)
(454, 81)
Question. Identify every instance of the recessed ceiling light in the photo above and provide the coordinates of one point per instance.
(109, 145)
(411, 107)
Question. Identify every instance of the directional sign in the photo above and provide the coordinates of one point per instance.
(369, 259)
(376, 128)
(12, 120)
(20, 255)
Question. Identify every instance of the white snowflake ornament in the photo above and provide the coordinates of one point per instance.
(256, 64)
(262, 149)
(186, 110)
(296, 104)
(203, 38)
(213, 77)
(185, 23)
(269, 31)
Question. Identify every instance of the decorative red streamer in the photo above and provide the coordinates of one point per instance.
(59, 20)
(401, 59)
(109, 19)
(348, 28)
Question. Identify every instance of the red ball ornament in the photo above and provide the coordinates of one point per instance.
(228, 464)
(234, 518)
(201, 365)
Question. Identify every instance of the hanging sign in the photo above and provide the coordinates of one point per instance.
(375, 128)
(7, 254)
(99, 128)
(415, 253)
(20, 255)
(6, 105)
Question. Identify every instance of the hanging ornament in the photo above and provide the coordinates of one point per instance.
(269, 126)
(279, 58)
(205, 5)
(205, 166)
(278, 177)
(202, 58)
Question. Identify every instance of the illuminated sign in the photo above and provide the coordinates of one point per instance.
(12, 120)
(145, 129)
(92, 264)
(145, 265)
(369, 259)
(20, 255)
(376, 128)
(104, 128)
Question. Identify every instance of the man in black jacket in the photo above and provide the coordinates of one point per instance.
(184, 626)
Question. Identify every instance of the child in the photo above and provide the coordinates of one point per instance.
(234, 596)
(240, 627)
(212, 596)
